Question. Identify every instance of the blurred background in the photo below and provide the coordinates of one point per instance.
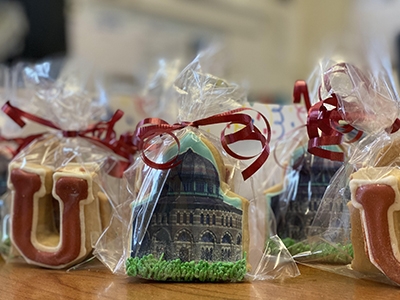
(264, 45)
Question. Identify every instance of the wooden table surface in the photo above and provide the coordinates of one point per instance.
(20, 281)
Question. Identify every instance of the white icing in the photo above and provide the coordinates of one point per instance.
(39, 194)
(365, 176)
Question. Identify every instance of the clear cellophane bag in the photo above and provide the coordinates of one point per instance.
(64, 184)
(343, 238)
(196, 220)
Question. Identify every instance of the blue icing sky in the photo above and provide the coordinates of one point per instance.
(191, 141)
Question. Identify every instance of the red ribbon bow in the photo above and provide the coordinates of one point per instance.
(101, 132)
(328, 127)
(324, 127)
(151, 127)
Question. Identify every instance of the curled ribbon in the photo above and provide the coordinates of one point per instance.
(328, 127)
(101, 132)
(301, 89)
(325, 127)
(152, 127)
(356, 75)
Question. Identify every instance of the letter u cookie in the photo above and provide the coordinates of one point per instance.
(55, 215)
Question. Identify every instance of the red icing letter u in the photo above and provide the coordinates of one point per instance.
(376, 200)
(70, 191)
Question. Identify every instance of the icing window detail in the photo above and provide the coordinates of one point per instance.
(208, 237)
(239, 239)
(191, 218)
(227, 238)
(184, 219)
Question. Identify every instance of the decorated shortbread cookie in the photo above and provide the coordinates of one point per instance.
(55, 214)
(296, 199)
(375, 213)
(193, 226)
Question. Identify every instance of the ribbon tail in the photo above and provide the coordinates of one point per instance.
(257, 164)
(301, 89)
(13, 113)
(395, 126)
(315, 147)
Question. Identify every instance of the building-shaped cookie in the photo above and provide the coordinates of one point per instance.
(296, 200)
(194, 216)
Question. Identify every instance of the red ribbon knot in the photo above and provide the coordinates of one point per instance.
(67, 133)
(152, 127)
(101, 132)
(324, 127)
(328, 127)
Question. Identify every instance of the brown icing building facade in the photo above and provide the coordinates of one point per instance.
(191, 221)
(296, 206)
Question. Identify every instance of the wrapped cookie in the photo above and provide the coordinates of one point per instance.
(374, 194)
(64, 184)
(7, 150)
(192, 212)
(299, 178)
(296, 198)
(354, 231)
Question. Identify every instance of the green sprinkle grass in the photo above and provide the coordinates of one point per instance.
(175, 270)
(5, 246)
(329, 253)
